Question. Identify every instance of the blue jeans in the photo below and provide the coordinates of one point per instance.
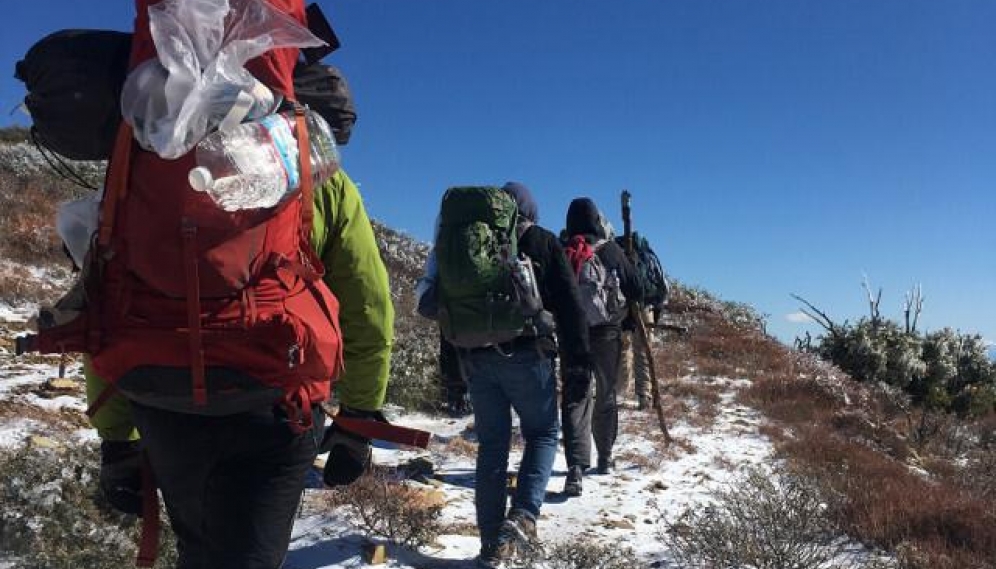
(523, 381)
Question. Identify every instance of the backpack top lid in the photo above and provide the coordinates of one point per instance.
(74, 80)
(484, 204)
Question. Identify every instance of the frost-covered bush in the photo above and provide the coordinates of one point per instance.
(23, 159)
(684, 298)
(414, 371)
(944, 370)
(958, 372)
(765, 520)
(51, 516)
(581, 555)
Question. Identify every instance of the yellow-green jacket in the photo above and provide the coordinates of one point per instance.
(344, 239)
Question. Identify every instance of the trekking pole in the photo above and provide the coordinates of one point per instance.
(636, 312)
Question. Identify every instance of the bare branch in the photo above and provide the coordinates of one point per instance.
(818, 316)
(873, 302)
(913, 307)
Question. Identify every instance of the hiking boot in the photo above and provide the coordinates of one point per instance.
(517, 534)
(491, 557)
(605, 465)
(643, 403)
(572, 486)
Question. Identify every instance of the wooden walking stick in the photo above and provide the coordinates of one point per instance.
(636, 312)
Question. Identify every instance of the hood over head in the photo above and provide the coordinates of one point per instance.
(524, 200)
(583, 218)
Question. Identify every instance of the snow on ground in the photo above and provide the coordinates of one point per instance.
(623, 509)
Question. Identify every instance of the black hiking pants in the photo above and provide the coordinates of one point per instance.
(596, 417)
(231, 484)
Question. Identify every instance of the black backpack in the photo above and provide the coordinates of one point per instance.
(324, 89)
(74, 80)
(649, 271)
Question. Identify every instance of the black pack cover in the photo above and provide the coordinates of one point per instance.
(324, 89)
(74, 80)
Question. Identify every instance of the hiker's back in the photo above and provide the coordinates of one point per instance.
(208, 311)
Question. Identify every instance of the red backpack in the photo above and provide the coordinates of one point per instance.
(195, 309)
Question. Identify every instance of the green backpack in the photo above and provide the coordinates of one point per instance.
(476, 242)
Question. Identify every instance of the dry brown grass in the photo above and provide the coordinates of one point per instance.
(884, 502)
(459, 446)
(386, 507)
(27, 218)
(856, 442)
(61, 420)
(643, 461)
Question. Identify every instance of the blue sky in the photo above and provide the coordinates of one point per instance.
(772, 147)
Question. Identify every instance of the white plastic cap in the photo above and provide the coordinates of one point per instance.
(200, 179)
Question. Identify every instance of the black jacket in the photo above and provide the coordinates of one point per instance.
(559, 290)
(583, 218)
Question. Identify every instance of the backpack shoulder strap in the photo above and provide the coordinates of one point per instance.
(116, 183)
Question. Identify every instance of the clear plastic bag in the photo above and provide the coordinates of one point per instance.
(199, 83)
(76, 222)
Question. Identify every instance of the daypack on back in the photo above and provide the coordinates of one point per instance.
(475, 244)
(649, 271)
(601, 294)
(74, 80)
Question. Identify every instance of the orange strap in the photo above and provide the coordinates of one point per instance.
(115, 184)
(309, 256)
(102, 399)
(307, 183)
(192, 277)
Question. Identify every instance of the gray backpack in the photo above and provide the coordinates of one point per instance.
(601, 294)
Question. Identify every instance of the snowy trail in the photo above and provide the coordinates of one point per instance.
(623, 509)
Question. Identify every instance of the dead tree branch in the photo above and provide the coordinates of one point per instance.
(818, 316)
(912, 307)
(873, 302)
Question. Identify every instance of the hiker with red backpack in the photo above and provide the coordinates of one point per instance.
(607, 283)
(500, 286)
(218, 335)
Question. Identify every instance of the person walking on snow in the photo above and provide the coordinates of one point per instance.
(605, 301)
(519, 375)
(232, 481)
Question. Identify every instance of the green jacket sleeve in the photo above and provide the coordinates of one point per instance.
(113, 419)
(344, 239)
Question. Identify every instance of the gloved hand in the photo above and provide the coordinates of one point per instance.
(577, 383)
(349, 453)
(121, 475)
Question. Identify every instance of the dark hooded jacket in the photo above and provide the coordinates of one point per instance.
(556, 280)
(583, 218)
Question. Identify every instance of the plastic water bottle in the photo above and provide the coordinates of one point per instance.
(255, 165)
